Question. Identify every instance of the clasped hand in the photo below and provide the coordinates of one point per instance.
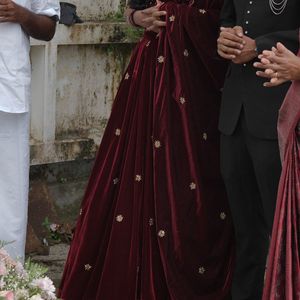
(279, 65)
(11, 12)
(234, 45)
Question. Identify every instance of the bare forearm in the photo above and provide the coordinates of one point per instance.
(37, 26)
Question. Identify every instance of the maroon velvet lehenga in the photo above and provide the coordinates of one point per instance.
(283, 269)
(154, 223)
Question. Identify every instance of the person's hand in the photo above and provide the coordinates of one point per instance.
(12, 12)
(231, 42)
(248, 52)
(152, 19)
(279, 65)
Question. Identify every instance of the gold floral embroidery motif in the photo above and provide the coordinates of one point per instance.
(138, 178)
(161, 59)
(202, 11)
(151, 222)
(205, 136)
(157, 144)
(161, 233)
(148, 44)
(186, 53)
(119, 218)
(87, 267)
(127, 76)
(172, 18)
(223, 216)
(118, 132)
(201, 270)
(116, 181)
(193, 186)
(182, 100)
(81, 211)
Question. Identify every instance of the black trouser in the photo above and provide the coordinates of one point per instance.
(251, 170)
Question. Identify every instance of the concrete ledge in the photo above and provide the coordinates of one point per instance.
(106, 32)
(62, 151)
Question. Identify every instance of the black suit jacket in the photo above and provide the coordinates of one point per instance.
(243, 89)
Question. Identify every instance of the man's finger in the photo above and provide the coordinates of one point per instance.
(4, 7)
(232, 37)
(227, 29)
(239, 31)
(230, 43)
(229, 50)
(225, 55)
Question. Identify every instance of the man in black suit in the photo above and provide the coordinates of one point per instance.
(249, 149)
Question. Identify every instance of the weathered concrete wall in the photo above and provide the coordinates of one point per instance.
(88, 78)
(93, 10)
(75, 79)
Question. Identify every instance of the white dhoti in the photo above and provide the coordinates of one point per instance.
(14, 181)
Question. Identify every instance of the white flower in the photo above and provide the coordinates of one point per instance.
(3, 253)
(54, 227)
(47, 287)
(3, 269)
(2, 283)
(21, 294)
(36, 297)
(19, 268)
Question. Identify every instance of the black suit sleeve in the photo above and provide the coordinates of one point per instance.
(138, 4)
(228, 14)
(289, 38)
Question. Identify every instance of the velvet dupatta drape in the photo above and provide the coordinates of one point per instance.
(283, 268)
(154, 223)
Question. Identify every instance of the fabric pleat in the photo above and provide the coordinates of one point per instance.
(155, 223)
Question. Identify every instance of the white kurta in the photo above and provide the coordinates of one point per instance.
(14, 164)
(15, 76)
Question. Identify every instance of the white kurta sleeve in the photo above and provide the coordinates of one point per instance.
(50, 8)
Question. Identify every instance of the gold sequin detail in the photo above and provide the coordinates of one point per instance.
(172, 18)
(138, 178)
(193, 186)
(116, 181)
(161, 233)
(161, 59)
(119, 218)
(127, 76)
(87, 267)
(223, 216)
(151, 222)
(202, 11)
(157, 144)
(205, 136)
(81, 211)
(182, 100)
(186, 53)
(201, 270)
(148, 44)
(118, 132)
